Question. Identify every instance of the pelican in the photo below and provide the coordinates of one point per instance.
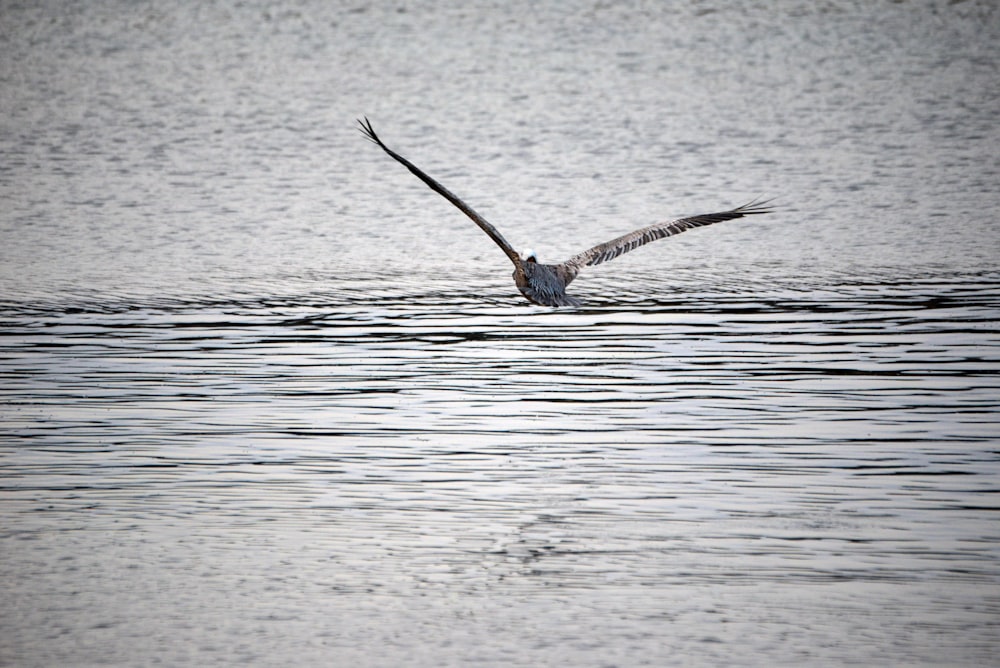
(545, 284)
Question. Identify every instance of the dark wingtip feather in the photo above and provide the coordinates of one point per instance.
(756, 206)
(365, 126)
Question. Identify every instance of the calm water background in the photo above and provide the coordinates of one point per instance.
(266, 399)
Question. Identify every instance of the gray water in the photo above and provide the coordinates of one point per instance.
(268, 400)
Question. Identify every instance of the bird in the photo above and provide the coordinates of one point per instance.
(545, 284)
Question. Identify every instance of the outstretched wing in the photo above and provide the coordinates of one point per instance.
(369, 132)
(623, 244)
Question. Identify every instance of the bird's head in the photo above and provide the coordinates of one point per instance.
(529, 255)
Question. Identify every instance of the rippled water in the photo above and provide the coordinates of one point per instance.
(266, 400)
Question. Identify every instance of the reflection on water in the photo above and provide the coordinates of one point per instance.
(675, 463)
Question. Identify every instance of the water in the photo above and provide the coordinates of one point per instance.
(266, 399)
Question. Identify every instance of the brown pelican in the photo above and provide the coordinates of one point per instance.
(545, 284)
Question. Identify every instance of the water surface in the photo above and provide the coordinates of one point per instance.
(268, 400)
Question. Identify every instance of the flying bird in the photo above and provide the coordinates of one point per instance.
(545, 284)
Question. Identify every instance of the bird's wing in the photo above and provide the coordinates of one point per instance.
(369, 132)
(623, 244)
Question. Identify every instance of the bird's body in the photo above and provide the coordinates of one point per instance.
(545, 284)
